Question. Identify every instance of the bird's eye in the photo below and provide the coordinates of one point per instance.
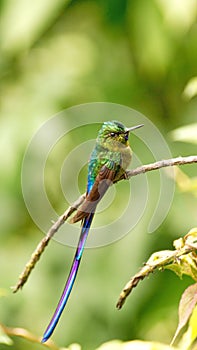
(112, 134)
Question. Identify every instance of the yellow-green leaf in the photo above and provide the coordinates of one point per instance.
(74, 346)
(4, 339)
(134, 345)
(190, 89)
(185, 133)
(186, 306)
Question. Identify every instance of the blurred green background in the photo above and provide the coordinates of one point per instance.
(56, 54)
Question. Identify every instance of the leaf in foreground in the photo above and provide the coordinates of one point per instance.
(186, 306)
(134, 345)
(4, 338)
(181, 260)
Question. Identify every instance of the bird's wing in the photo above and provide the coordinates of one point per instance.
(102, 182)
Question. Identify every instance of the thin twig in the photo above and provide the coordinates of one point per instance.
(162, 164)
(55, 227)
(23, 333)
(44, 242)
(185, 246)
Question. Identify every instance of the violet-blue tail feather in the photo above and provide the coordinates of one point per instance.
(71, 278)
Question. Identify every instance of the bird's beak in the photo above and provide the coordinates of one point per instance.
(134, 127)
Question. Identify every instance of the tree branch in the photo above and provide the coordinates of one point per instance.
(44, 242)
(182, 261)
(25, 334)
(55, 227)
(162, 164)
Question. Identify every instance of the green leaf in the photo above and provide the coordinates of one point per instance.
(190, 335)
(134, 345)
(186, 263)
(74, 346)
(185, 266)
(191, 238)
(111, 345)
(4, 339)
(190, 89)
(185, 133)
(186, 306)
(193, 324)
(182, 261)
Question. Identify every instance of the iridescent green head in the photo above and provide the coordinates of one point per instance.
(114, 135)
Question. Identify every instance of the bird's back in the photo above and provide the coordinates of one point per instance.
(117, 160)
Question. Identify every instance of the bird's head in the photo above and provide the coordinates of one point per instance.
(113, 135)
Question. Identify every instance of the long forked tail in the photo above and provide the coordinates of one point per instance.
(71, 278)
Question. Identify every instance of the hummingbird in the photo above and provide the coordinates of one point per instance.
(108, 162)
